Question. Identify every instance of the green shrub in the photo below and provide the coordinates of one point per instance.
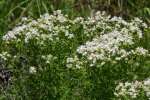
(55, 57)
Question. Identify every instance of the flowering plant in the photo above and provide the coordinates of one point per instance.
(57, 57)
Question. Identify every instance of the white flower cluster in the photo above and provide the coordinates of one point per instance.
(4, 55)
(141, 51)
(100, 23)
(71, 61)
(32, 70)
(48, 58)
(133, 89)
(146, 87)
(45, 27)
(113, 36)
(114, 40)
(110, 46)
(103, 47)
(50, 27)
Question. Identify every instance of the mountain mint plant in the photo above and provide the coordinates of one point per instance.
(95, 58)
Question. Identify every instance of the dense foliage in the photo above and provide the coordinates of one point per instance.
(55, 57)
(12, 11)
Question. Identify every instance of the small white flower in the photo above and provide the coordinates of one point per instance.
(69, 65)
(70, 60)
(32, 70)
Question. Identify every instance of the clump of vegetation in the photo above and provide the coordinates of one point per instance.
(56, 57)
